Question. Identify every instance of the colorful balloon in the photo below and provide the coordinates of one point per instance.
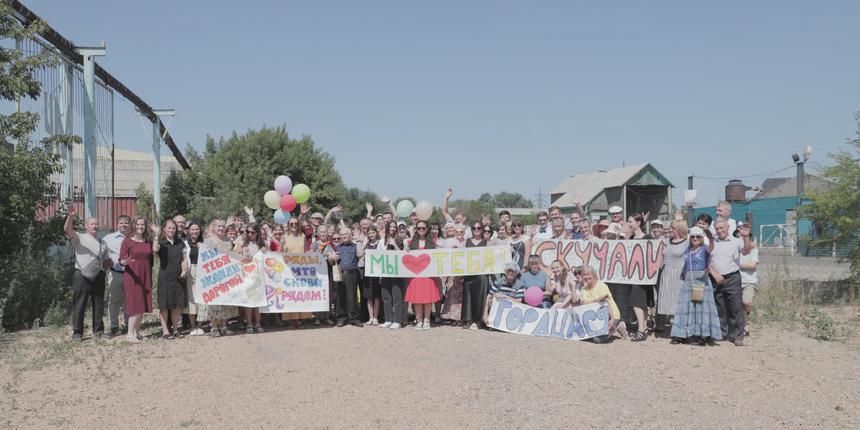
(272, 199)
(302, 193)
(283, 184)
(424, 210)
(288, 202)
(281, 217)
(534, 296)
(404, 208)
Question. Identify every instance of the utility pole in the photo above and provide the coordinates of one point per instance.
(689, 205)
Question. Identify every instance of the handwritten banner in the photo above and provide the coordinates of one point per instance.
(294, 282)
(224, 278)
(620, 261)
(431, 263)
(577, 323)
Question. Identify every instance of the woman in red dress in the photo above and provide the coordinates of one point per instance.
(422, 292)
(136, 255)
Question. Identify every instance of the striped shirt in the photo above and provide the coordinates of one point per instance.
(515, 291)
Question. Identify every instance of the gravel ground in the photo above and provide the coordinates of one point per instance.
(443, 378)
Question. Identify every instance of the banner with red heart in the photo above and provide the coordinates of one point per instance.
(416, 264)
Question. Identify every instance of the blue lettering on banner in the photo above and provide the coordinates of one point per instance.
(575, 327)
(559, 333)
(542, 328)
(514, 320)
(587, 317)
(531, 315)
(500, 309)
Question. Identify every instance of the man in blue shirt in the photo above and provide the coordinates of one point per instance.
(346, 305)
(535, 277)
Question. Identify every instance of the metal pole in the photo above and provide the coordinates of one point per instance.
(800, 183)
(156, 154)
(89, 54)
(19, 46)
(689, 207)
(156, 167)
(112, 166)
(67, 118)
(624, 202)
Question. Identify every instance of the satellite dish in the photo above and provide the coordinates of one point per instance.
(807, 152)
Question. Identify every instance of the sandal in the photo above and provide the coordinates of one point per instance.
(177, 334)
(166, 337)
(638, 337)
(215, 332)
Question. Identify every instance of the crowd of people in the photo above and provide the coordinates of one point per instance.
(703, 294)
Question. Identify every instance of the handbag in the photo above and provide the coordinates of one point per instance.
(336, 274)
(697, 288)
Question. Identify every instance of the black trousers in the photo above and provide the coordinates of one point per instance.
(474, 295)
(346, 306)
(729, 300)
(86, 291)
(392, 299)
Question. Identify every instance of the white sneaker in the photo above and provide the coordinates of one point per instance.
(374, 322)
(473, 326)
(395, 326)
(419, 325)
(385, 324)
(426, 324)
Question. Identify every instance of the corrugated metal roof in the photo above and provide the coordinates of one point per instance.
(590, 185)
(787, 187)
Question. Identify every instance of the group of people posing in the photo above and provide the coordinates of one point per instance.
(704, 291)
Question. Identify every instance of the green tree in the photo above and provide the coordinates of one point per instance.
(145, 203)
(176, 195)
(25, 173)
(505, 199)
(236, 172)
(834, 210)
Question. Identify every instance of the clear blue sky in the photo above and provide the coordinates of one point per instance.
(411, 97)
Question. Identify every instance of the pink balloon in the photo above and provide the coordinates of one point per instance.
(288, 202)
(534, 296)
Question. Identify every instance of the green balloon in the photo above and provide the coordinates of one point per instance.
(301, 192)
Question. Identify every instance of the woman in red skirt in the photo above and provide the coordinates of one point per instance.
(422, 292)
(135, 254)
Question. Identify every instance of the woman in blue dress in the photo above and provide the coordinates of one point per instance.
(696, 321)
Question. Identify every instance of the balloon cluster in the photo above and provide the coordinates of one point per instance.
(423, 209)
(285, 197)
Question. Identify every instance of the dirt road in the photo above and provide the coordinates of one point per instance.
(445, 378)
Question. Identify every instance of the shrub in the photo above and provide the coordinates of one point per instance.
(819, 325)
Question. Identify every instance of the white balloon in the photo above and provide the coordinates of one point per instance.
(424, 210)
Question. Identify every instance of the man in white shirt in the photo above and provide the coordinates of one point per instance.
(543, 229)
(725, 274)
(724, 211)
(88, 282)
(117, 272)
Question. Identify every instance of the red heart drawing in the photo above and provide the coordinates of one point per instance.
(250, 268)
(416, 264)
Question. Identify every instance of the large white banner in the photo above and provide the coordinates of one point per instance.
(619, 261)
(294, 282)
(431, 263)
(577, 323)
(225, 278)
